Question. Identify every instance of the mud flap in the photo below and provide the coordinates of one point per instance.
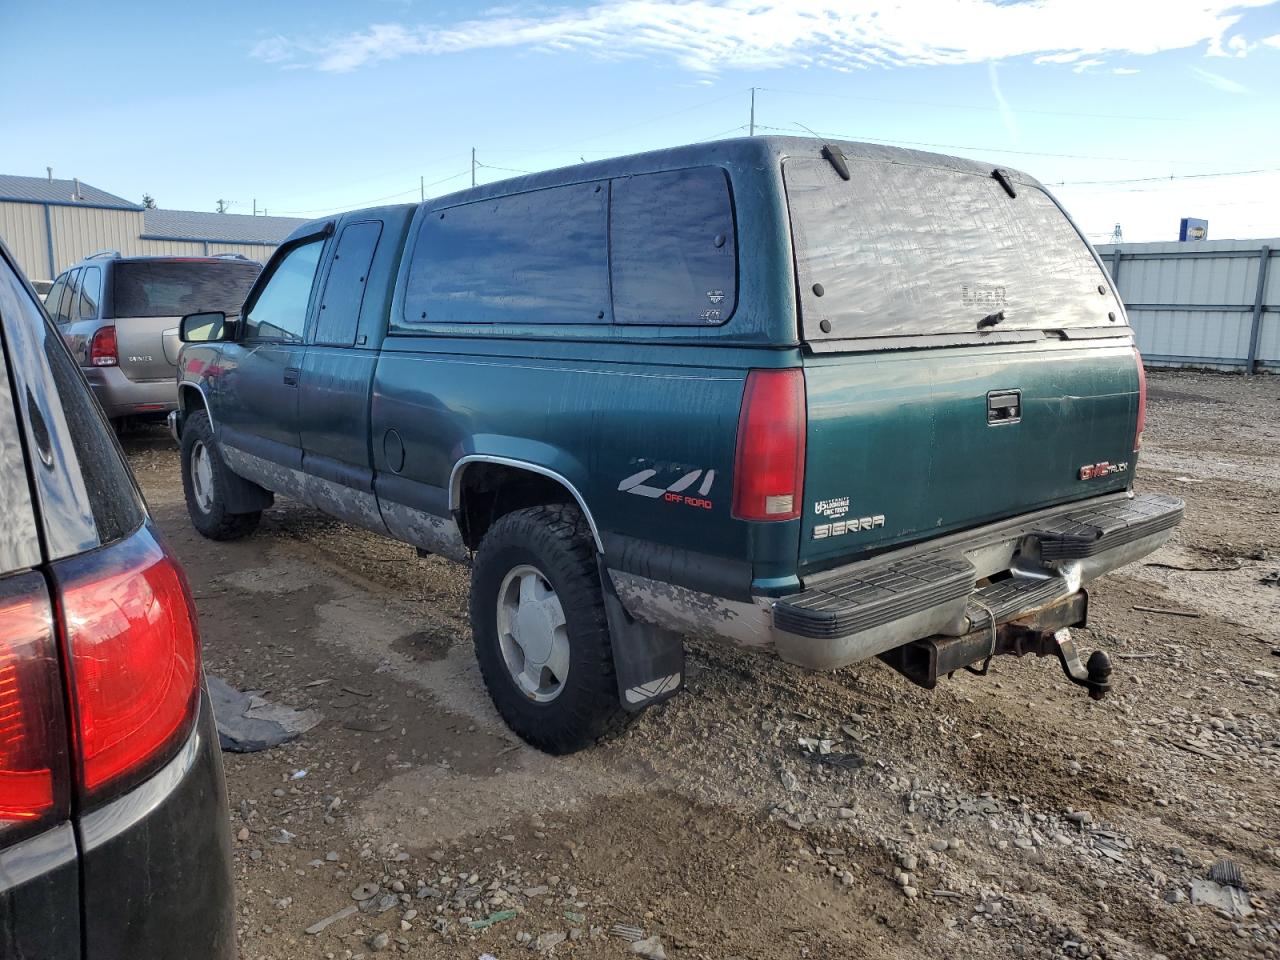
(648, 660)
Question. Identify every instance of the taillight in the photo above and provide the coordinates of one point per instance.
(1142, 402)
(768, 473)
(134, 660)
(33, 738)
(102, 348)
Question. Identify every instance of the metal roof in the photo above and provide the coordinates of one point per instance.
(44, 190)
(215, 227)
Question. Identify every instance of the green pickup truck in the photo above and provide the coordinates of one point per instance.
(834, 400)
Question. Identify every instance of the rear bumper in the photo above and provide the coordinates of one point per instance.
(947, 587)
(951, 589)
(122, 397)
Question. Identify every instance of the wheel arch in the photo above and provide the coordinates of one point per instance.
(484, 477)
(192, 399)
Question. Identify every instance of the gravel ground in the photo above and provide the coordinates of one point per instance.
(767, 812)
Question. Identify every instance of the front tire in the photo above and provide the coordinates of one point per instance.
(205, 479)
(540, 631)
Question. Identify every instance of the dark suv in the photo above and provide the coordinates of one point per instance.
(114, 837)
(119, 315)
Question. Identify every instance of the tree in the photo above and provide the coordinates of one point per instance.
(148, 201)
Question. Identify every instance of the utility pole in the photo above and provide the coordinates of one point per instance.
(222, 206)
(255, 206)
(473, 166)
(422, 188)
(752, 126)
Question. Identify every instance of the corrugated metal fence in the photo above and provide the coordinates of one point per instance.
(1210, 304)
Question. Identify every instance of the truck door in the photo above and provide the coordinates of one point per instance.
(337, 375)
(257, 389)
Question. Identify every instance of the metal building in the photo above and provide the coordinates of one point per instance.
(1213, 303)
(50, 224)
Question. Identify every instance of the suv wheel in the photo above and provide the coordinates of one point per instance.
(205, 477)
(538, 620)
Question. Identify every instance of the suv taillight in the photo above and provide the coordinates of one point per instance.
(33, 736)
(102, 348)
(1142, 402)
(768, 472)
(133, 656)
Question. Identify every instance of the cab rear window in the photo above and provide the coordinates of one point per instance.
(904, 249)
(174, 288)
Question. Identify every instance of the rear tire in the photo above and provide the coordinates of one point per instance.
(540, 631)
(205, 478)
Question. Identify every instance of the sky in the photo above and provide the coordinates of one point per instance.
(1135, 112)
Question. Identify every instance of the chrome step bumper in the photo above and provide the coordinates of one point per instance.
(880, 604)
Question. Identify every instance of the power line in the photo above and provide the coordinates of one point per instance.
(969, 106)
(1172, 176)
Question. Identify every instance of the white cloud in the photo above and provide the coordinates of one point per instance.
(1219, 82)
(1125, 71)
(1084, 65)
(1272, 41)
(714, 35)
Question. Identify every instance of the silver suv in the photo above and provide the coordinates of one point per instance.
(119, 315)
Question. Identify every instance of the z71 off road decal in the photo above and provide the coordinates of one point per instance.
(675, 493)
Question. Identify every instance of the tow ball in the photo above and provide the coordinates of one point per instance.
(1094, 676)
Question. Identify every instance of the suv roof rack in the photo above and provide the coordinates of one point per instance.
(108, 253)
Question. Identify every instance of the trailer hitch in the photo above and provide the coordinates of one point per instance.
(1042, 633)
(1094, 677)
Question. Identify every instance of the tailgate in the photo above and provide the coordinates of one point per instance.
(915, 444)
(147, 347)
(966, 359)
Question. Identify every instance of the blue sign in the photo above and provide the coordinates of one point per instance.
(1193, 229)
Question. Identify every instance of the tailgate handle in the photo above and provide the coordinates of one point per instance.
(1004, 406)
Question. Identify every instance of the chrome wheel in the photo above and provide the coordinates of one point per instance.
(202, 476)
(532, 634)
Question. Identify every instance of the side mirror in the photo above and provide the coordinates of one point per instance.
(204, 327)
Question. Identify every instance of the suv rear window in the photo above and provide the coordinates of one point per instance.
(903, 249)
(174, 288)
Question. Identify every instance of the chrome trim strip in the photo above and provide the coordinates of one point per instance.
(35, 856)
(455, 485)
(199, 389)
(104, 824)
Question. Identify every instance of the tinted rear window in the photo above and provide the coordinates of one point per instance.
(904, 249)
(167, 288)
(537, 257)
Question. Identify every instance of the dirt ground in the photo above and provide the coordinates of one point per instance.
(994, 817)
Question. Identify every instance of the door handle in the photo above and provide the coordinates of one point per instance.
(1004, 406)
(291, 376)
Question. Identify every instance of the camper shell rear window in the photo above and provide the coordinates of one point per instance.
(905, 249)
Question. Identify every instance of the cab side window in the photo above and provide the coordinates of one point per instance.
(279, 311)
(344, 289)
